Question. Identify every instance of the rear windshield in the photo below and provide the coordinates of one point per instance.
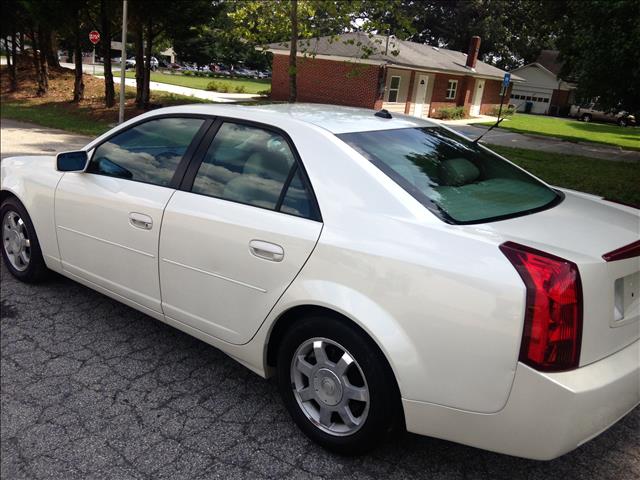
(457, 179)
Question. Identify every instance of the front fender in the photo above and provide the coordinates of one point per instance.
(33, 181)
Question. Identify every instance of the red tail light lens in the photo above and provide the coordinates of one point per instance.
(553, 318)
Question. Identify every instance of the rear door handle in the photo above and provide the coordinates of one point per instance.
(266, 250)
(140, 220)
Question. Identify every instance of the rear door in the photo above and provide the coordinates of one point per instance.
(108, 218)
(237, 233)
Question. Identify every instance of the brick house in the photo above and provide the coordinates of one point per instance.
(400, 76)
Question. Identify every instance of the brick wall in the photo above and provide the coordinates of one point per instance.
(327, 81)
(491, 96)
(439, 95)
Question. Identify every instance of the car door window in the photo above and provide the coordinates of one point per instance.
(148, 153)
(254, 166)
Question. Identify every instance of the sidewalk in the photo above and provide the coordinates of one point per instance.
(548, 144)
(193, 92)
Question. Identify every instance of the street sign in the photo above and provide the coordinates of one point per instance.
(506, 80)
(94, 36)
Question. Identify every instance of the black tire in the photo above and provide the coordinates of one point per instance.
(586, 117)
(384, 415)
(36, 270)
(622, 122)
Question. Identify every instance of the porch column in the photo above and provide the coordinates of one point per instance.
(407, 105)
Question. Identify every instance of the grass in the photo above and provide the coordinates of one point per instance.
(251, 85)
(573, 130)
(610, 179)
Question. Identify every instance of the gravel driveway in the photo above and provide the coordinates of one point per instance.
(93, 389)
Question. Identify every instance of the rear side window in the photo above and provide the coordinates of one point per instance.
(254, 166)
(148, 153)
(458, 180)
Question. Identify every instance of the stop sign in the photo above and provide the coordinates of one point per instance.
(94, 36)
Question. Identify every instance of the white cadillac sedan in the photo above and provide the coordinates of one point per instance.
(390, 272)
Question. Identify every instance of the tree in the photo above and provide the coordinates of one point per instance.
(598, 44)
(106, 14)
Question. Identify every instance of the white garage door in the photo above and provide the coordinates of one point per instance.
(540, 102)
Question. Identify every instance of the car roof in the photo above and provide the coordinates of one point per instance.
(334, 118)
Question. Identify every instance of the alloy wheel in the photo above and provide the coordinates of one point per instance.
(15, 241)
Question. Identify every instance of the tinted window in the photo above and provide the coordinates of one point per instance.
(252, 165)
(149, 152)
(457, 179)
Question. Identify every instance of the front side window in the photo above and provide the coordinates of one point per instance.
(394, 88)
(452, 88)
(455, 178)
(254, 166)
(148, 153)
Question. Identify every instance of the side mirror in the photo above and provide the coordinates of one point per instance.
(72, 161)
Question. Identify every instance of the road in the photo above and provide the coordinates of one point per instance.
(93, 389)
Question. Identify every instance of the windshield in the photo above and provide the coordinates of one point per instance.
(455, 178)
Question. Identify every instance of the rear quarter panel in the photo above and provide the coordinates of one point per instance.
(33, 180)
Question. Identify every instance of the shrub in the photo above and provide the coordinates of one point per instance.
(507, 110)
(451, 113)
(213, 86)
(187, 73)
(266, 92)
(210, 74)
(240, 89)
(224, 88)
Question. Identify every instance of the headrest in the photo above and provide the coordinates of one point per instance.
(456, 172)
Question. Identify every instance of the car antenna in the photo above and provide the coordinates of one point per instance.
(505, 86)
(383, 114)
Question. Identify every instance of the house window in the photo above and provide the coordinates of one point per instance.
(452, 88)
(394, 87)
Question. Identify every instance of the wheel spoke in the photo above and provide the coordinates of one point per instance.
(347, 417)
(24, 256)
(352, 392)
(303, 366)
(12, 222)
(27, 242)
(319, 353)
(325, 416)
(306, 394)
(343, 364)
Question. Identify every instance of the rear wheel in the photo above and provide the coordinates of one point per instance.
(586, 117)
(336, 385)
(622, 122)
(20, 248)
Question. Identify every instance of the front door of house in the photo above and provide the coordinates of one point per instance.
(477, 98)
(421, 93)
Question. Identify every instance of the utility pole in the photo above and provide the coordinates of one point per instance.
(123, 60)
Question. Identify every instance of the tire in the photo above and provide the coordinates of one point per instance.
(367, 389)
(586, 117)
(20, 238)
(622, 122)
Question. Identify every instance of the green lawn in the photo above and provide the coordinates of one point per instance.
(573, 130)
(615, 180)
(251, 85)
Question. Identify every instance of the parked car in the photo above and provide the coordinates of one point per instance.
(592, 112)
(263, 75)
(131, 63)
(387, 270)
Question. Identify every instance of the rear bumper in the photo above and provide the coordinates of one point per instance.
(547, 414)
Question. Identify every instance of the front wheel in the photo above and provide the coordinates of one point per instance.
(20, 248)
(622, 122)
(336, 385)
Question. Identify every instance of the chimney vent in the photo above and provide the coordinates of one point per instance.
(472, 56)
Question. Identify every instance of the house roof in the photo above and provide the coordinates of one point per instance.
(359, 45)
(549, 60)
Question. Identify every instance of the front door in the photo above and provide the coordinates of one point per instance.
(237, 233)
(477, 98)
(108, 218)
(421, 94)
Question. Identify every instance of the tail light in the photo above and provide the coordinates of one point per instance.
(553, 318)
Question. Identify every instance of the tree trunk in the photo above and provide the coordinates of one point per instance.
(146, 91)
(51, 50)
(40, 91)
(139, 41)
(22, 45)
(109, 90)
(43, 42)
(78, 84)
(293, 52)
(7, 51)
(14, 64)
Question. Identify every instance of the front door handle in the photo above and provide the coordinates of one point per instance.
(140, 220)
(266, 250)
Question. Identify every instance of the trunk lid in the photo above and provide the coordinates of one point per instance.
(582, 228)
